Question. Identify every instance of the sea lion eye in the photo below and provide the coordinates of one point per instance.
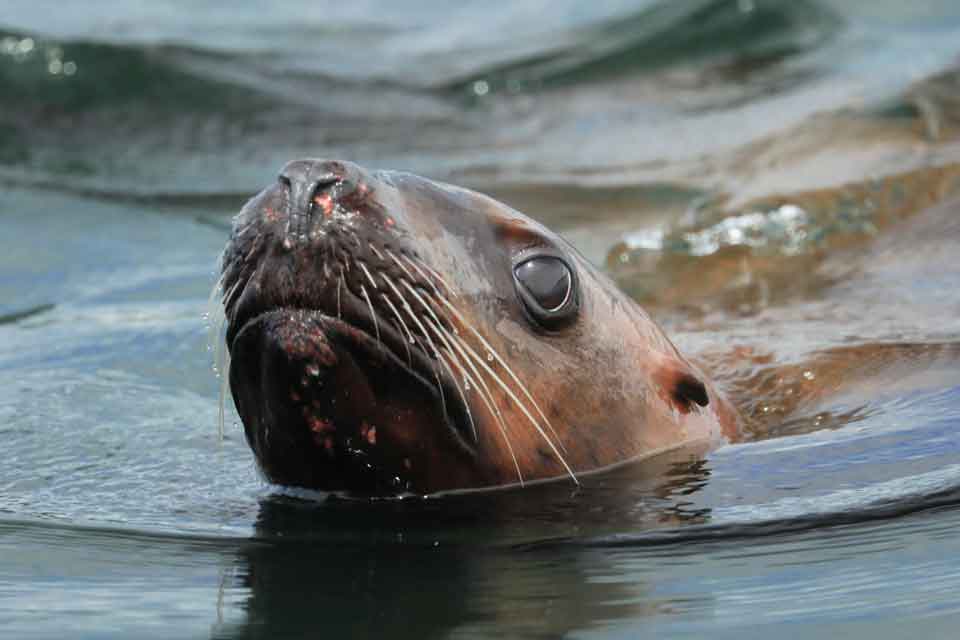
(547, 286)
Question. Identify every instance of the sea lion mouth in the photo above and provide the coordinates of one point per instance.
(346, 405)
(382, 348)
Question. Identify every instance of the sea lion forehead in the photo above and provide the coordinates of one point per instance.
(470, 206)
(508, 224)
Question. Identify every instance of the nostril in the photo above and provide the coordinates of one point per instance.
(322, 185)
(310, 185)
(319, 196)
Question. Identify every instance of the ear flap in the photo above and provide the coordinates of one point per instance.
(679, 384)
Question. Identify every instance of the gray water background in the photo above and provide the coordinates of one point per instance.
(130, 133)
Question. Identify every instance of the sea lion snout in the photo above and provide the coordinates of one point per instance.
(314, 191)
(305, 180)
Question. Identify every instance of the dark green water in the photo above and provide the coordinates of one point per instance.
(664, 139)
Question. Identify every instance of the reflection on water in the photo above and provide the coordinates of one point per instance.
(435, 571)
(776, 181)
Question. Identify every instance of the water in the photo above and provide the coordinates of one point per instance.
(777, 182)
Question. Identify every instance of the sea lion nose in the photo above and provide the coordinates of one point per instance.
(306, 180)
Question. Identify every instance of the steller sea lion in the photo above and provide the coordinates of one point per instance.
(390, 334)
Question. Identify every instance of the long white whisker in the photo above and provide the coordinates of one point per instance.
(476, 373)
(217, 288)
(437, 326)
(403, 267)
(227, 298)
(373, 315)
(217, 318)
(423, 275)
(374, 249)
(519, 405)
(503, 364)
(422, 302)
(369, 277)
(426, 334)
(453, 377)
(487, 398)
(356, 239)
(492, 351)
(443, 338)
(339, 286)
(410, 340)
(436, 275)
(224, 371)
(254, 247)
(423, 329)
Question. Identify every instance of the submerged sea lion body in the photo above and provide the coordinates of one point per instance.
(390, 334)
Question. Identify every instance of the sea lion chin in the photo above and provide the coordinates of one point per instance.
(389, 334)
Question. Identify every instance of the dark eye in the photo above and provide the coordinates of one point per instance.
(547, 287)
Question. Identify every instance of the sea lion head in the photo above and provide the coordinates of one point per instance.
(391, 334)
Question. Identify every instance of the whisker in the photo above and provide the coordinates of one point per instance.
(437, 326)
(422, 302)
(339, 287)
(423, 330)
(503, 364)
(443, 338)
(369, 277)
(226, 295)
(453, 378)
(490, 371)
(426, 334)
(375, 251)
(423, 275)
(356, 239)
(403, 267)
(373, 315)
(217, 288)
(439, 278)
(227, 298)
(485, 395)
(519, 405)
(217, 318)
(406, 343)
(483, 382)
(403, 300)
(224, 370)
(254, 248)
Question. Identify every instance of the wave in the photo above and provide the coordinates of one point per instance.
(63, 77)
(940, 490)
(148, 119)
(749, 32)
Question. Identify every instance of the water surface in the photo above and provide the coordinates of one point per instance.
(777, 182)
